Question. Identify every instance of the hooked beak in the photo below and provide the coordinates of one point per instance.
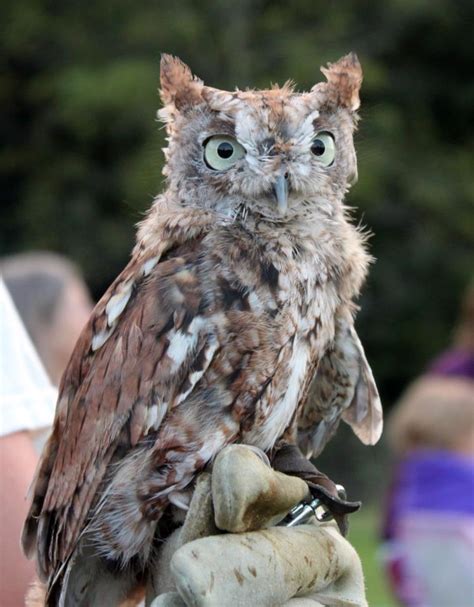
(280, 189)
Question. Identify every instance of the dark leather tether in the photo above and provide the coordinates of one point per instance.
(289, 460)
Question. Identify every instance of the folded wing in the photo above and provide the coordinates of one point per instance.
(343, 388)
(131, 361)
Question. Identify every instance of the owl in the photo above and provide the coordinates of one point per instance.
(232, 322)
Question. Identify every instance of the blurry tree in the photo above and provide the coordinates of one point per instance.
(81, 158)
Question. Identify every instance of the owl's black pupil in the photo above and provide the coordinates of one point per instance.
(225, 150)
(318, 148)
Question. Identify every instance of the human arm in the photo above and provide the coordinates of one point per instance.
(17, 465)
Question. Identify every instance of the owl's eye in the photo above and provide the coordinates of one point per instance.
(324, 148)
(222, 151)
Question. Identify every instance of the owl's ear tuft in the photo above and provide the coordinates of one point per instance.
(344, 79)
(178, 86)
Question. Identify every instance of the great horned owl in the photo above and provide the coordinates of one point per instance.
(238, 293)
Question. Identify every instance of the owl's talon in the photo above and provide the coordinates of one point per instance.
(289, 460)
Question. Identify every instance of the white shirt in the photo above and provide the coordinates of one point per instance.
(27, 397)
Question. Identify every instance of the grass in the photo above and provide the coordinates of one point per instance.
(363, 536)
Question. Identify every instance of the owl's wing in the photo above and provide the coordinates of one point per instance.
(115, 389)
(343, 388)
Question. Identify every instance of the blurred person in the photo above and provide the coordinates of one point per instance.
(54, 304)
(27, 401)
(429, 525)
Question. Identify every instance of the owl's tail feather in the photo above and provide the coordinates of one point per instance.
(36, 494)
(90, 580)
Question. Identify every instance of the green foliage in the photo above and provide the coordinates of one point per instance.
(81, 158)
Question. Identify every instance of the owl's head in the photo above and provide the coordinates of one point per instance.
(276, 153)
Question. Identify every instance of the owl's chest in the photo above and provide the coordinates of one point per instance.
(266, 273)
(278, 403)
(291, 300)
(307, 300)
(306, 320)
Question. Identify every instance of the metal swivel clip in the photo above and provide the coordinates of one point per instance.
(305, 510)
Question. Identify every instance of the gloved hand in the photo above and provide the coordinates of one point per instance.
(255, 564)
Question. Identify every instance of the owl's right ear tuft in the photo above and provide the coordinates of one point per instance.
(344, 79)
(178, 86)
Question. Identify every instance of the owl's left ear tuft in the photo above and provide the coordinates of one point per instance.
(178, 86)
(344, 79)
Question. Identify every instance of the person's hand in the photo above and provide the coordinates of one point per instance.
(255, 563)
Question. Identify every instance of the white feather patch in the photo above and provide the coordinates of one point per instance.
(155, 415)
(212, 446)
(179, 347)
(117, 303)
(148, 266)
(182, 343)
(196, 375)
(265, 436)
(255, 302)
(99, 339)
(180, 499)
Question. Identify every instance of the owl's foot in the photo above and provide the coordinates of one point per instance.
(290, 460)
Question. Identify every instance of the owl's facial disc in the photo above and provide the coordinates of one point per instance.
(275, 154)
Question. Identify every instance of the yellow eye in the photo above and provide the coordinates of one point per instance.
(221, 152)
(324, 148)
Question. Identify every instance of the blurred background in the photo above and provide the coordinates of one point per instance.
(81, 157)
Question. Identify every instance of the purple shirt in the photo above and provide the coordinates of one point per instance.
(454, 363)
(436, 481)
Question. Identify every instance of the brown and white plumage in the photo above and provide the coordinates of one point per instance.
(235, 298)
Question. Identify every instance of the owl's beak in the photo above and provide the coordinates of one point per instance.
(280, 189)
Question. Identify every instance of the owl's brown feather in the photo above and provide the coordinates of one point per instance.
(103, 396)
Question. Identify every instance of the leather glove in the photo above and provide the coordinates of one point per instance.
(254, 563)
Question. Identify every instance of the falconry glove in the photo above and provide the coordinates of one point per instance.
(256, 563)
